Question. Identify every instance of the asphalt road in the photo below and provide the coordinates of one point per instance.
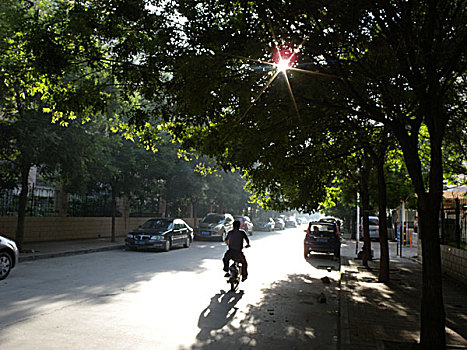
(174, 300)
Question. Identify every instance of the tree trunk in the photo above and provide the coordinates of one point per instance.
(432, 315)
(383, 227)
(433, 318)
(23, 200)
(365, 198)
(195, 213)
(114, 213)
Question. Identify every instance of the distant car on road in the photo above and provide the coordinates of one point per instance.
(160, 234)
(333, 220)
(9, 255)
(374, 228)
(290, 222)
(322, 237)
(214, 226)
(301, 221)
(265, 225)
(245, 224)
(279, 224)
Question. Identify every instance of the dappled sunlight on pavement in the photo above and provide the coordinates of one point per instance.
(387, 316)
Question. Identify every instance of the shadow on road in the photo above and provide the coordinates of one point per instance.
(290, 315)
(324, 261)
(217, 314)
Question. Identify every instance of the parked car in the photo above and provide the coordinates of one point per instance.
(333, 220)
(322, 237)
(214, 226)
(374, 228)
(245, 224)
(301, 221)
(161, 234)
(279, 224)
(290, 222)
(265, 225)
(9, 255)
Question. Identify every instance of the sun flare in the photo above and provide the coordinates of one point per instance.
(283, 65)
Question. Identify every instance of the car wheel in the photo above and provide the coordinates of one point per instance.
(187, 243)
(6, 264)
(167, 245)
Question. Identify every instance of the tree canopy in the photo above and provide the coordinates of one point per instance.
(397, 64)
(207, 69)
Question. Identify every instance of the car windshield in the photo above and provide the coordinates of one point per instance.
(213, 219)
(157, 224)
(321, 228)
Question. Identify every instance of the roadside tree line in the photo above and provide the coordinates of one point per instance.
(88, 160)
(373, 89)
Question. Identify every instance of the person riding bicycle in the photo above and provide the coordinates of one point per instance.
(234, 240)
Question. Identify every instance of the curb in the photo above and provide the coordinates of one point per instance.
(68, 253)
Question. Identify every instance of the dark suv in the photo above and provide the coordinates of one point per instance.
(322, 237)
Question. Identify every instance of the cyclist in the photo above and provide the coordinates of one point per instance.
(234, 240)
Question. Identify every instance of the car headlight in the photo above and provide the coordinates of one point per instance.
(130, 235)
(157, 238)
(218, 227)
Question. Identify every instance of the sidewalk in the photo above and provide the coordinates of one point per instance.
(377, 316)
(51, 249)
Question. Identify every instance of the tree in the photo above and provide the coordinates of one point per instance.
(71, 60)
(33, 141)
(32, 79)
(398, 64)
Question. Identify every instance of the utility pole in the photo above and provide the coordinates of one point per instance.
(402, 226)
(358, 223)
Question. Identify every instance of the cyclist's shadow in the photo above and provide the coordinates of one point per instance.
(217, 314)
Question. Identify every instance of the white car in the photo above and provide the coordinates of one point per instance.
(374, 228)
(9, 255)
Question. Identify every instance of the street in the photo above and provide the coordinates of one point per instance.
(174, 300)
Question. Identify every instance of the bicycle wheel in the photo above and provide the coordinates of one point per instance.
(234, 284)
(234, 279)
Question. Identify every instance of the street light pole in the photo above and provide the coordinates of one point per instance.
(358, 223)
(402, 226)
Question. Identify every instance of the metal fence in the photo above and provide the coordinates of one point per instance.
(453, 225)
(96, 205)
(40, 202)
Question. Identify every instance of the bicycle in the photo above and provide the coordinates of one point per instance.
(235, 275)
